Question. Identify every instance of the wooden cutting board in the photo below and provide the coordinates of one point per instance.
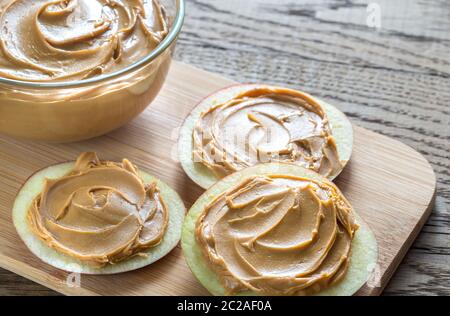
(389, 184)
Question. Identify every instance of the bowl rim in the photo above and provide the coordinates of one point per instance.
(165, 43)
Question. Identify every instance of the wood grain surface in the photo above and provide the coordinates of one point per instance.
(394, 80)
(389, 184)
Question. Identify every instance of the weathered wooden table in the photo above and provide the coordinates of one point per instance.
(385, 63)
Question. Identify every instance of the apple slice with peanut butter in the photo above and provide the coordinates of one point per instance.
(98, 217)
(277, 229)
(244, 125)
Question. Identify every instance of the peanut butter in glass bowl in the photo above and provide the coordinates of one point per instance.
(75, 69)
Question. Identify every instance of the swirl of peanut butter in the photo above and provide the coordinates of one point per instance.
(101, 212)
(61, 40)
(278, 235)
(265, 125)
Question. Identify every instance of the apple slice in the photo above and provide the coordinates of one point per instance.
(364, 252)
(341, 129)
(34, 186)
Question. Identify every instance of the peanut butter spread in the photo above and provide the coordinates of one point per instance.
(265, 125)
(278, 235)
(101, 212)
(61, 40)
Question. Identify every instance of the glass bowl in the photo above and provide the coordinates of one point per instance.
(77, 110)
